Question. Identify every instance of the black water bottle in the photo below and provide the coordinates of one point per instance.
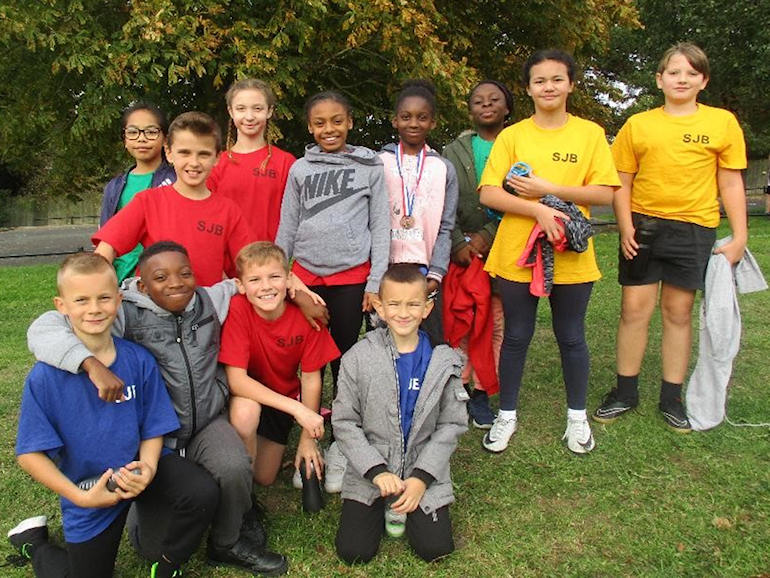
(644, 236)
(312, 498)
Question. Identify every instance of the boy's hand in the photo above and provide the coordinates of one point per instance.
(308, 450)
(733, 250)
(414, 488)
(368, 303)
(310, 421)
(628, 244)
(315, 313)
(131, 484)
(389, 483)
(99, 496)
(110, 386)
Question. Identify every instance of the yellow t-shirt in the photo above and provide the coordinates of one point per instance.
(575, 154)
(675, 159)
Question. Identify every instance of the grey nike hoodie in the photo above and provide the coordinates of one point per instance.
(334, 214)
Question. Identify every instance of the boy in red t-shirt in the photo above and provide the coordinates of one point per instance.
(210, 227)
(265, 340)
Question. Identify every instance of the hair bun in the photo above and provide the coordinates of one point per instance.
(419, 83)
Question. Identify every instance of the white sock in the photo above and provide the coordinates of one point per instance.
(577, 414)
(507, 414)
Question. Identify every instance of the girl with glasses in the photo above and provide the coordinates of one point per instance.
(143, 129)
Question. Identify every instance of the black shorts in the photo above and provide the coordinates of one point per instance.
(679, 254)
(275, 425)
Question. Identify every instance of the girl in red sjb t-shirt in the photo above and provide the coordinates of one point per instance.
(252, 172)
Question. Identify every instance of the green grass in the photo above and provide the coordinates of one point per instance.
(646, 502)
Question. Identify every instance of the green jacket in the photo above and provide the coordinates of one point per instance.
(472, 216)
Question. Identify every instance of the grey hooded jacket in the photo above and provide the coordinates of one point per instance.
(334, 214)
(186, 347)
(367, 424)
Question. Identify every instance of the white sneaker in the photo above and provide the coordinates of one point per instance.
(497, 438)
(296, 480)
(578, 436)
(334, 470)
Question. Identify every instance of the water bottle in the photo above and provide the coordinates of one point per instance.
(112, 485)
(519, 169)
(395, 523)
(312, 498)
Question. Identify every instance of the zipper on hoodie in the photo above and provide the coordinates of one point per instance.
(402, 452)
(180, 341)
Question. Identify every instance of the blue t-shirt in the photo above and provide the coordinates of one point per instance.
(62, 416)
(411, 368)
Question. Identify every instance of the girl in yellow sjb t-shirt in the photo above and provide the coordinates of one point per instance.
(673, 163)
(570, 158)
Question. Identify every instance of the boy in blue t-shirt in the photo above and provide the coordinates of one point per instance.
(68, 434)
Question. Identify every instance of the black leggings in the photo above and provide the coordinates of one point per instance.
(362, 526)
(192, 496)
(345, 318)
(568, 310)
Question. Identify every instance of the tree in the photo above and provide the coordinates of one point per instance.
(72, 66)
(736, 37)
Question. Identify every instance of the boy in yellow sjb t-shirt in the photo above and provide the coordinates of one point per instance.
(673, 162)
(570, 159)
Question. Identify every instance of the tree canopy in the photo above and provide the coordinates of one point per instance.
(70, 67)
(736, 38)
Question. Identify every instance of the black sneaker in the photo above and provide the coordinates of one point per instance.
(675, 415)
(244, 554)
(29, 534)
(253, 528)
(613, 407)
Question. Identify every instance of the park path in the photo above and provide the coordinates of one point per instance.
(50, 244)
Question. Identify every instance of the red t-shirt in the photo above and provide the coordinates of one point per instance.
(258, 192)
(352, 276)
(272, 351)
(211, 229)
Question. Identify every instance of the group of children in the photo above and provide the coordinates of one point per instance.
(325, 239)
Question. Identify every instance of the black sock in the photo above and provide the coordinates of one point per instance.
(628, 387)
(670, 392)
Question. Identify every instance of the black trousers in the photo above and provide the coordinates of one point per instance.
(361, 529)
(345, 318)
(192, 494)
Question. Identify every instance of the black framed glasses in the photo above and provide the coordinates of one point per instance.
(150, 132)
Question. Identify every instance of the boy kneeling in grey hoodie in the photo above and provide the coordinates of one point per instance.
(399, 411)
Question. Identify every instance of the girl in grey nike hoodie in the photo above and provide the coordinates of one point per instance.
(334, 219)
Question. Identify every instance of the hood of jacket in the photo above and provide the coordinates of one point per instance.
(350, 155)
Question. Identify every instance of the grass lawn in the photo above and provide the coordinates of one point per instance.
(646, 502)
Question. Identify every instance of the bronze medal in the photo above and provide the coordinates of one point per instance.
(407, 221)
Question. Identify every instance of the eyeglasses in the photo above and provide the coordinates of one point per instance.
(150, 132)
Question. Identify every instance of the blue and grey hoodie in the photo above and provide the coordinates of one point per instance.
(334, 214)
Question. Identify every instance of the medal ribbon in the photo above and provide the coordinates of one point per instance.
(407, 196)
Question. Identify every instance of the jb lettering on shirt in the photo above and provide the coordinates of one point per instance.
(211, 228)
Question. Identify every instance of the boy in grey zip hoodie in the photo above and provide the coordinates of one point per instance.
(398, 426)
(180, 324)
